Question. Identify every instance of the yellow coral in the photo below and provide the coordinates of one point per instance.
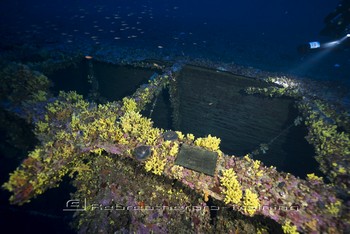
(103, 127)
(18, 178)
(42, 80)
(174, 150)
(341, 170)
(177, 172)
(117, 135)
(41, 126)
(289, 228)
(40, 96)
(97, 151)
(53, 107)
(151, 137)
(155, 164)
(75, 121)
(71, 96)
(250, 202)
(260, 173)
(139, 127)
(81, 169)
(256, 164)
(312, 176)
(334, 208)
(145, 94)
(180, 135)
(233, 190)
(209, 142)
(35, 153)
(190, 137)
(123, 141)
(129, 104)
(246, 157)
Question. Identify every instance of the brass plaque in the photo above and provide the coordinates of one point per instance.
(197, 159)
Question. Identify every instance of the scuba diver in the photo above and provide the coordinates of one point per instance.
(337, 26)
(337, 23)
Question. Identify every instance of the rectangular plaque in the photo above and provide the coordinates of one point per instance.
(197, 159)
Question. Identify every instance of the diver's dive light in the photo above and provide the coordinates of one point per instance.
(308, 47)
(316, 45)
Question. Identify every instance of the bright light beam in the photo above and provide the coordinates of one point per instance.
(331, 44)
(319, 55)
(344, 38)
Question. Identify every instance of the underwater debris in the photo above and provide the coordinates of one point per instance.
(142, 152)
(197, 159)
(170, 136)
(324, 120)
(93, 143)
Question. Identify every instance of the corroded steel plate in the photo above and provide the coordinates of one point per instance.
(197, 159)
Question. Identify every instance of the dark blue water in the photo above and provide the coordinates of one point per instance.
(262, 34)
